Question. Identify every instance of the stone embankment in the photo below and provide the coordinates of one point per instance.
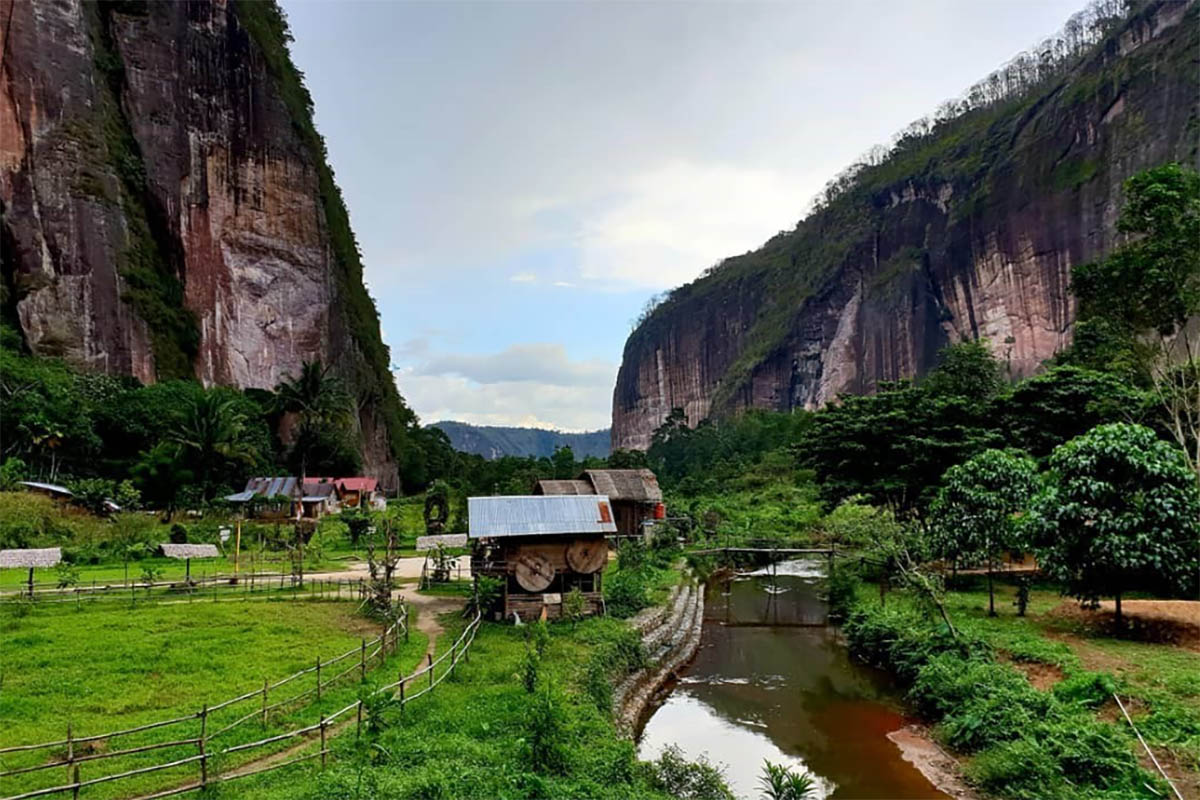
(670, 635)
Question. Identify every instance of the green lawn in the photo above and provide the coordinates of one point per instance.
(109, 667)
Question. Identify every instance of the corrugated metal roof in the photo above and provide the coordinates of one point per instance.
(241, 497)
(38, 557)
(639, 485)
(288, 486)
(189, 550)
(48, 487)
(534, 515)
(357, 484)
(563, 487)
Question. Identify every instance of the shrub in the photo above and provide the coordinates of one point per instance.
(626, 593)
(674, 775)
(12, 471)
(546, 731)
(1086, 689)
(841, 587)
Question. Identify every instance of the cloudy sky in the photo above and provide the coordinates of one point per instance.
(522, 177)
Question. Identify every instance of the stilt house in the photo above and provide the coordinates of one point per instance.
(634, 494)
(541, 547)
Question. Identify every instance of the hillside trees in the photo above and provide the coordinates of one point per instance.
(1121, 510)
(324, 413)
(1136, 304)
(976, 512)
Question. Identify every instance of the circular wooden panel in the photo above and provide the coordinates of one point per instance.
(534, 572)
(586, 556)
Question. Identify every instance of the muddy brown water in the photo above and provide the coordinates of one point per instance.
(772, 681)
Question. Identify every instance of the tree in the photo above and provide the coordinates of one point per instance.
(1136, 303)
(565, 466)
(976, 513)
(325, 413)
(1121, 510)
(161, 476)
(968, 370)
(212, 433)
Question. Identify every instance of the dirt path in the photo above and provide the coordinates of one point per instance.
(405, 568)
(939, 767)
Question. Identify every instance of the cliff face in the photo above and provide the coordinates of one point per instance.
(972, 235)
(167, 207)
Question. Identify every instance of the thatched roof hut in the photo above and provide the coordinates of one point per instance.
(189, 550)
(33, 557)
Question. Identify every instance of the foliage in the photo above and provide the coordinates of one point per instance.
(1120, 510)
(976, 512)
(781, 782)
(574, 605)
(1028, 743)
(12, 472)
(673, 774)
(546, 731)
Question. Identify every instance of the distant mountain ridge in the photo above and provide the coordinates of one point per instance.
(493, 441)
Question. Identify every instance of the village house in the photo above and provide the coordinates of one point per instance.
(541, 548)
(634, 493)
(289, 497)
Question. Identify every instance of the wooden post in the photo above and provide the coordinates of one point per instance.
(31, 583)
(237, 549)
(453, 657)
(402, 691)
(362, 663)
(358, 728)
(322, 740)
(187, 578)
(430, 656)
(70, 750)
(264, 703)
(75, 782)
(203, 757)
(319, 680)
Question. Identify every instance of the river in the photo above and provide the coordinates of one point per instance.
(771, 681)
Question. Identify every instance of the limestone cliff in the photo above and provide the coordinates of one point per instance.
(970, 232)
(167, 207)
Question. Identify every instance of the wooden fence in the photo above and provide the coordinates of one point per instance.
(214, 588)
(376, 651)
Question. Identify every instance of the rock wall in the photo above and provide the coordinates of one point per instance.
(977, 240)
(163, 211)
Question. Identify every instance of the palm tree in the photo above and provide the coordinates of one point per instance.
(319, 399)
(213, 432)
(779, 782)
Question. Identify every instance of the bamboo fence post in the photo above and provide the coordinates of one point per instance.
(323, 741)
(200, 744)
(362, 661)
(430, 656)
(358, 727)
(319, 679)
(70, 751)
(402, 691)
(453, 657)
(264, 704)
(75, 782)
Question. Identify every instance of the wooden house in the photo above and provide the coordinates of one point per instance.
(541, 547)
(634, 493)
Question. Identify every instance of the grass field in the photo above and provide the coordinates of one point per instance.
(107, 667)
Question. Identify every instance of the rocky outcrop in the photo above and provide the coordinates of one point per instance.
(973, 234)
(167, 208)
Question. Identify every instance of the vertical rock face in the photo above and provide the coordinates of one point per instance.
(163, 213)
(978, 241)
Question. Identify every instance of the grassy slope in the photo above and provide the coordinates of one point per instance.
(471, 737)
(108, 667)
(1164, 681)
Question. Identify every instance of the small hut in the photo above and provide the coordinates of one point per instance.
(634, 494)
(187, 552)
(541, 547)
(30, 559)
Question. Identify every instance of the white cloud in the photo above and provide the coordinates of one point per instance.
(523, 277)
(677, 219)
(534, 385)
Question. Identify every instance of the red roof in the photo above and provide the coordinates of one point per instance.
(357, 484)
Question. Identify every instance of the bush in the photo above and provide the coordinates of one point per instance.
(546, 731)
(674, 775)
(841, 587)
(626, 593)
(1086, 689)
(12, 472)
